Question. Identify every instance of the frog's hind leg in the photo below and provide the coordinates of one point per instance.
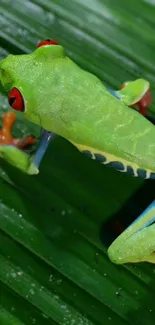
(135, 94)
(136, 243)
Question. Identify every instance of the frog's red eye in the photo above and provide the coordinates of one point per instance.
(47, 42)
(15, 99)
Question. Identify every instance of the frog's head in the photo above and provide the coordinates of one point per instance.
(27, 79)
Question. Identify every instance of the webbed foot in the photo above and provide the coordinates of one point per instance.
(11, 149)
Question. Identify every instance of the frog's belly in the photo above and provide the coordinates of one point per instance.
(118, 163)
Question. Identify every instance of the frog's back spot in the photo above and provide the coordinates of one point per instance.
(117, 165)
(88, 154)
(130, 170)
(152, 175)
(100, 157)
(141, 173)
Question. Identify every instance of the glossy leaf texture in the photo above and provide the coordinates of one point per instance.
(54, 267)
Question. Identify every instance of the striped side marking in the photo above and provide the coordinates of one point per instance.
(121, 165)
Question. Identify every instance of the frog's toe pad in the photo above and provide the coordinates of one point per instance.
(32, 169)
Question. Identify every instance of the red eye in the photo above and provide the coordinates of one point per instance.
(15, 99)
(47, 42)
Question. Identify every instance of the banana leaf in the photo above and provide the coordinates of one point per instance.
(54, 267)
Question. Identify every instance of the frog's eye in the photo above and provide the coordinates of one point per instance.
(47, 42)
(16, 100)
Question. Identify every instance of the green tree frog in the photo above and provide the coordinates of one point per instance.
(55, 93)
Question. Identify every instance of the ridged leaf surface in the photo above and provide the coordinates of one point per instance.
(54, 268)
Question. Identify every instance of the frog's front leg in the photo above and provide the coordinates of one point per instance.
(143, 97)
(6, 138)
(10, 148)
(41, 150)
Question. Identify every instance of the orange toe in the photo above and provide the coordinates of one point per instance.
(6, 138)
(8, 119)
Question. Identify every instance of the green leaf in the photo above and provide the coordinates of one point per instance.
(54, 268)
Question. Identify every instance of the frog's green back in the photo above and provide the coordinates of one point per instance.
(63, 98)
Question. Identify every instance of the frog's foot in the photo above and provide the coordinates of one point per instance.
(6, 138)
(10, 148)
(142, 93)
(136, 243)
(18, 158)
